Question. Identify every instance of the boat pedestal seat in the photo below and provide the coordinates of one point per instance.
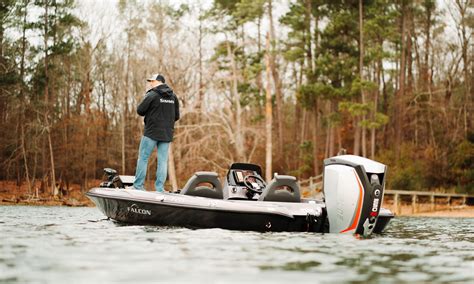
(281, 189)
(194, 185)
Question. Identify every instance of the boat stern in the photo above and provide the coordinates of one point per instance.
(353, 189)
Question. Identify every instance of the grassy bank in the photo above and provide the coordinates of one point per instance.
(13, 194)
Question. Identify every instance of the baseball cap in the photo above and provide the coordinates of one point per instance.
(157, 77)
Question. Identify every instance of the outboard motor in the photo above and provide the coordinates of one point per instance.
(353, 189)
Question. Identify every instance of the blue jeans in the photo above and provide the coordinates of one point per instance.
(146, 148)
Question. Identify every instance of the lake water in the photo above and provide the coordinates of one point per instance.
(77, 245)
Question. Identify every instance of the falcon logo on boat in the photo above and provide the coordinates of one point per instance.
(134, 209)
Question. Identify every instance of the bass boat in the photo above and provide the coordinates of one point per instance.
(353, 189)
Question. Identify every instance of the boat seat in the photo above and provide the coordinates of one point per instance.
(193, 187)
(277, 190)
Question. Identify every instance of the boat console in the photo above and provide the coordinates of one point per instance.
(244, 181)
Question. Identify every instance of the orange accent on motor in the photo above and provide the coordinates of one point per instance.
(359, 209)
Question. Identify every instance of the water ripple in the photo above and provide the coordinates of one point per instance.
(55, 245)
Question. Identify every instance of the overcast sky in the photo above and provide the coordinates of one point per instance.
(102, 15)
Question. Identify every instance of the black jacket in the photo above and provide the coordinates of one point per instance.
(160, 107)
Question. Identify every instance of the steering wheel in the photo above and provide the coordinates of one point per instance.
(258, 180)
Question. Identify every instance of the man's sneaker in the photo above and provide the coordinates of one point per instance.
(132, 188)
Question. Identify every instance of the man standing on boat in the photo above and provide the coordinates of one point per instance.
(160, 107)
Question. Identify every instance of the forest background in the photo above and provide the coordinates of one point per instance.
(284, 84)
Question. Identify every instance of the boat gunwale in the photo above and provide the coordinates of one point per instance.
(170, 204)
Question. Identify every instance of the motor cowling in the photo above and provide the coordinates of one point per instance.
(353, 190)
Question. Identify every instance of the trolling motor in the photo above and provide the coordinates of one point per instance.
(112, 179)
(353, 189)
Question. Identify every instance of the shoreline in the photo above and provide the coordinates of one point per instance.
(442, 211)
(11, 194)
(59, 202)
(454, 212)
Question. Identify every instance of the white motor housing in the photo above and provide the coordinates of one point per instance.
(353, 189)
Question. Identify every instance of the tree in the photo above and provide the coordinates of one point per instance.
(330, 73)
(464, 21)
(268, 115)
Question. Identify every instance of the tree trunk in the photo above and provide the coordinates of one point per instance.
(68, 120)
(331, 141)
(46, 100)
(22, 96)
(259, 78)
(201, 84)
(425, 77)
(125, 103)
(303, 126)
(2, 32)
(309, 52)
(326, 148)
(3, 111)
(296, 123)
(361, 73)
(315, 138)
(268, 115)
(25, 160)
(463, 11)
(316, 100)
(401, 89)
(277, 81)
(378, 74)
(356, 136)
(238, 135)
(51, 155)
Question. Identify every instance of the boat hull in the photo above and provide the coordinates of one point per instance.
(162, 213)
